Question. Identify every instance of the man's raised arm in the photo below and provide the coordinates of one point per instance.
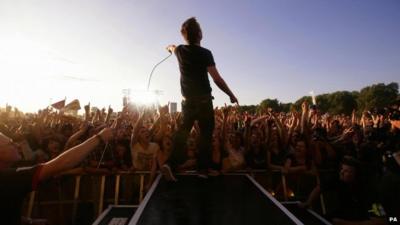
(212, 70)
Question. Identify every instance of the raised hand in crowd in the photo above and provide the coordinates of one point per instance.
(87, 111)
(109, 114)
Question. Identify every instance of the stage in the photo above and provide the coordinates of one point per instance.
(224, 200)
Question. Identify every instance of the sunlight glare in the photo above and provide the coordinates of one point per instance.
(144, 97)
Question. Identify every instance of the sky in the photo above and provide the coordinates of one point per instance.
(93, 49)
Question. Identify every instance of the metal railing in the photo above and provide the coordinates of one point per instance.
(117, 186)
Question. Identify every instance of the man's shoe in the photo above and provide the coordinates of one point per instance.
(167, 173)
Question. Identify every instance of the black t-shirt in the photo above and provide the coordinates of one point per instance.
(348, 202)
(256, 159)
(193, 62)
(15, 184)
(279, 158)
(390, 195)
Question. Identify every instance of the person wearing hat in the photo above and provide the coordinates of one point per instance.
(15, 183)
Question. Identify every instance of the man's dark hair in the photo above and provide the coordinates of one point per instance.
(191, 31)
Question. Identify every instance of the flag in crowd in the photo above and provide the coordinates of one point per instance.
(74, 105)
(59, 105)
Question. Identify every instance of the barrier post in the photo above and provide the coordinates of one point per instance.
(285, 197)
(101, 197)
(321, 198)
(117, 183)
(76, 196)
(30, 205)
(141, 188)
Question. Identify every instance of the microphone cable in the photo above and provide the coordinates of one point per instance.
(148, 86)
(151, 74)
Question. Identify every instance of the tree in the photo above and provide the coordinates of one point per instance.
(297, 104)
(342, 102)
(323, 102)
(337, 103)
(252, 109)
(270, 103)
(378, 96)
(285, 107)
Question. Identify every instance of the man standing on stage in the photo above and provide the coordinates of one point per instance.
(195, 62)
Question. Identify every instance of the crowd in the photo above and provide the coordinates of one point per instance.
(355, 157)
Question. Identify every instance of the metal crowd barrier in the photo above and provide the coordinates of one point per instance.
(117, 185)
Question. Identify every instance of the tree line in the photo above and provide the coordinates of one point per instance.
(373, 97)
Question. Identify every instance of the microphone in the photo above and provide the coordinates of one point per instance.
(170, 48)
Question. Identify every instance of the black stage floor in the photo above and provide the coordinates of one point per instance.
(224, 200)
(307, 216)
(116, 215)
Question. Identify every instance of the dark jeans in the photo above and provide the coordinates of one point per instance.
(203, 112)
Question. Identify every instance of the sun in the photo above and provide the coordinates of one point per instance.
(29, 66)
(143, 97)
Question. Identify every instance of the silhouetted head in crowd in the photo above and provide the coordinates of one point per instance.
(350, 170)
(52, 146)
(144, 135)
(67, 130)
(335, 127)
(300, 147)
(255, 139)
(121, 149)
(319, 134)
(357, 137)
(394, 118)
(9, 152)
